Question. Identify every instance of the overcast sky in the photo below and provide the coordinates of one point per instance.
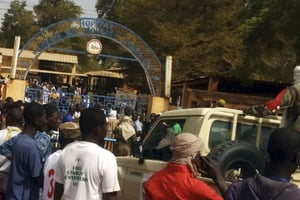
(88, 7)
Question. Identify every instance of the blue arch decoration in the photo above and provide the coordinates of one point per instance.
(82, 27)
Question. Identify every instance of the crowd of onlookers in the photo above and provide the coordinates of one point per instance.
(128, 128)
(51, 92)
(43, 157)
(49, 86)
(77, 88)
(28, 160)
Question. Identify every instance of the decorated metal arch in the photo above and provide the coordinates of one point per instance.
(82, 27)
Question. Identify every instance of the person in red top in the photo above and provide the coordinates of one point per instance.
(177, 180)
(287, 101)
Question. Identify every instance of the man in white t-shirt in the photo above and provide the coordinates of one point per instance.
(84, 169)
(68, 132)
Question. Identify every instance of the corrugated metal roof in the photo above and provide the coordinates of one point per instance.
(64, 58)
(105, 74)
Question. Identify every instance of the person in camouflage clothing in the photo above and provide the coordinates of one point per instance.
(287, 101)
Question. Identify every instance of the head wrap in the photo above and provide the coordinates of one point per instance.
(184, 148)
(112, 114)
(70, 130)
(221, 102)
(297, 74)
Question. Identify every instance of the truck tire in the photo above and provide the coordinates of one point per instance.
(238, 160)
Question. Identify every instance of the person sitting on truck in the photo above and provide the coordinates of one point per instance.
(178, 179)
(284, 158)
(287, 101)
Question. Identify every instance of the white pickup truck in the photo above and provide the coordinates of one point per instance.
(236, 141)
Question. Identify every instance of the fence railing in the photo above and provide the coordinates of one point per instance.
(64, 100)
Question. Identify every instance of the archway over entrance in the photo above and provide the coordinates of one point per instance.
(82, 27)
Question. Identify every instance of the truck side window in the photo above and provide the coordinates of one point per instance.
(157, 147)
(220, 132)
(246, 133)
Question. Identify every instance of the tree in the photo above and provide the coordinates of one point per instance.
(49, 11)
(17, 22)
(240, 39)
(199, 35)
(271, 37)
(104, 7)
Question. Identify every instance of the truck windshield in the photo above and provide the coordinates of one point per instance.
(157, 146)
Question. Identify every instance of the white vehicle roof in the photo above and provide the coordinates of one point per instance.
(219, 111)
(199, 111)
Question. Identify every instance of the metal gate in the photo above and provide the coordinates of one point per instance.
(64, 100)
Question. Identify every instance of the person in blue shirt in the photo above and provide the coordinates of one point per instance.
(69, 116)
(42, 138)
(26, 163)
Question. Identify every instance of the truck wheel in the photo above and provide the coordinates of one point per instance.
(238, 160)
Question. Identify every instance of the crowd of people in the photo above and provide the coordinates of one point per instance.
(35, 166)
(50, 92)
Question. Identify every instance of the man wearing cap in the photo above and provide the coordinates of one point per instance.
(68, 132)
(84, 169)
(178, 179)
(288, 101)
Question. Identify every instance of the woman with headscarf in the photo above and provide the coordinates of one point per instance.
(178, 179)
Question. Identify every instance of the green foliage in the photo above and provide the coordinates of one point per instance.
(271, 41)
(48, 11)
(198, 34)
(104, 7)
(17, 22)
(241, 39)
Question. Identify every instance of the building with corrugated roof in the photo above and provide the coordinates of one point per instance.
(39, 68)
(70, 61)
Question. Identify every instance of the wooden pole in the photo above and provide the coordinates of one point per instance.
(15, 57)
(168, 75)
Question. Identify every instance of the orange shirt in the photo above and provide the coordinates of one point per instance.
(176, 182)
